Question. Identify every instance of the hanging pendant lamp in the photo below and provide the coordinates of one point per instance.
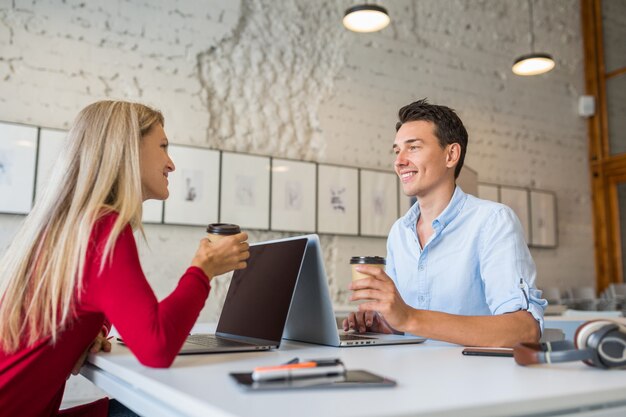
(534, 63)
(366, 18)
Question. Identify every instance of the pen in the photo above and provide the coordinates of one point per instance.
(295, 364)
(286, 366)
(298, 370)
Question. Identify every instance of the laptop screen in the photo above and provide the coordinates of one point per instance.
(259, 296)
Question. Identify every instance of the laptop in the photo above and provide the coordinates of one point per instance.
(311, 317)
(258, 301)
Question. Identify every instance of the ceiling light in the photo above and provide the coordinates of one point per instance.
(534, 63)
(366, 18)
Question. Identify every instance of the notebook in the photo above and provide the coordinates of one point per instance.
(258, 301)
(311, 317)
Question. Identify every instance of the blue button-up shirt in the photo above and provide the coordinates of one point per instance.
(475, 263)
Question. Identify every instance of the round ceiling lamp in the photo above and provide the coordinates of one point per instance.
(366, 18)
(534, 63)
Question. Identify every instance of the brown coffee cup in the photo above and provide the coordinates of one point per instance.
(355, 261)
(216, 231)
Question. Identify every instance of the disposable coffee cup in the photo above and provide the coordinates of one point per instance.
(216, 231)
(355, 261)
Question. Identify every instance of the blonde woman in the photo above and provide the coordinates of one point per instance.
(73, 270)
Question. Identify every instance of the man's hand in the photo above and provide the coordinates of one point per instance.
(99, 344)
(366, 321)
(384, 309)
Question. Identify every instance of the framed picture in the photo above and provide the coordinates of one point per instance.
(489, 192)
(404, 201)
(293, 196)
(378, 202)
(543, 219)
(245, 190)
(194, 186)
(51, 144)
(152, 211)
(517, 199)
(18, 155)
(337, 200)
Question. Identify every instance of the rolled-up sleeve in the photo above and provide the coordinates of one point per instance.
(507, 268)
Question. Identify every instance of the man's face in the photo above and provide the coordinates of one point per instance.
(421, 163)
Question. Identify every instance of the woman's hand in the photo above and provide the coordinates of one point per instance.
(101, 343)
(227, 254)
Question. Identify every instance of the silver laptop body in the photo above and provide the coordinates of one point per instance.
(258, 301)
(311, 317)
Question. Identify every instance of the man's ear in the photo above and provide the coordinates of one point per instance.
(453, 154)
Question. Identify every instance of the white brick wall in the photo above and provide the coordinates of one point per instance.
(285, 79)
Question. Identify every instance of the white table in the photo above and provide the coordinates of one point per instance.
(434, 379)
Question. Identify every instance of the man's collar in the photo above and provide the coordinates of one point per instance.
(452, 210)
(447, 215)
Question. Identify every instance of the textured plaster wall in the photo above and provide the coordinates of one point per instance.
(289, 81)
(285, 79)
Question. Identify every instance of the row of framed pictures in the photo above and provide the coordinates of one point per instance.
(256, 192)
(536, 210)
(260, 192)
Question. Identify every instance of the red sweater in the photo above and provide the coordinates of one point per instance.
(32, 379)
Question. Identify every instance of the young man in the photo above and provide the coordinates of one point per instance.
(458, 268)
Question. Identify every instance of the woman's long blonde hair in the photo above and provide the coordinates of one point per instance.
(98, 172)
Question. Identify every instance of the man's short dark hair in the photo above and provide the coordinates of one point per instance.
(448, 126)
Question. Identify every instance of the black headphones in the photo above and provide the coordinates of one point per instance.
(600, 343)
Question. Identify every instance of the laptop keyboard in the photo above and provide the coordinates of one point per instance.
(209, 340)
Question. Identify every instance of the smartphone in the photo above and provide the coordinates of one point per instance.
(350, 379)
(488, 351)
